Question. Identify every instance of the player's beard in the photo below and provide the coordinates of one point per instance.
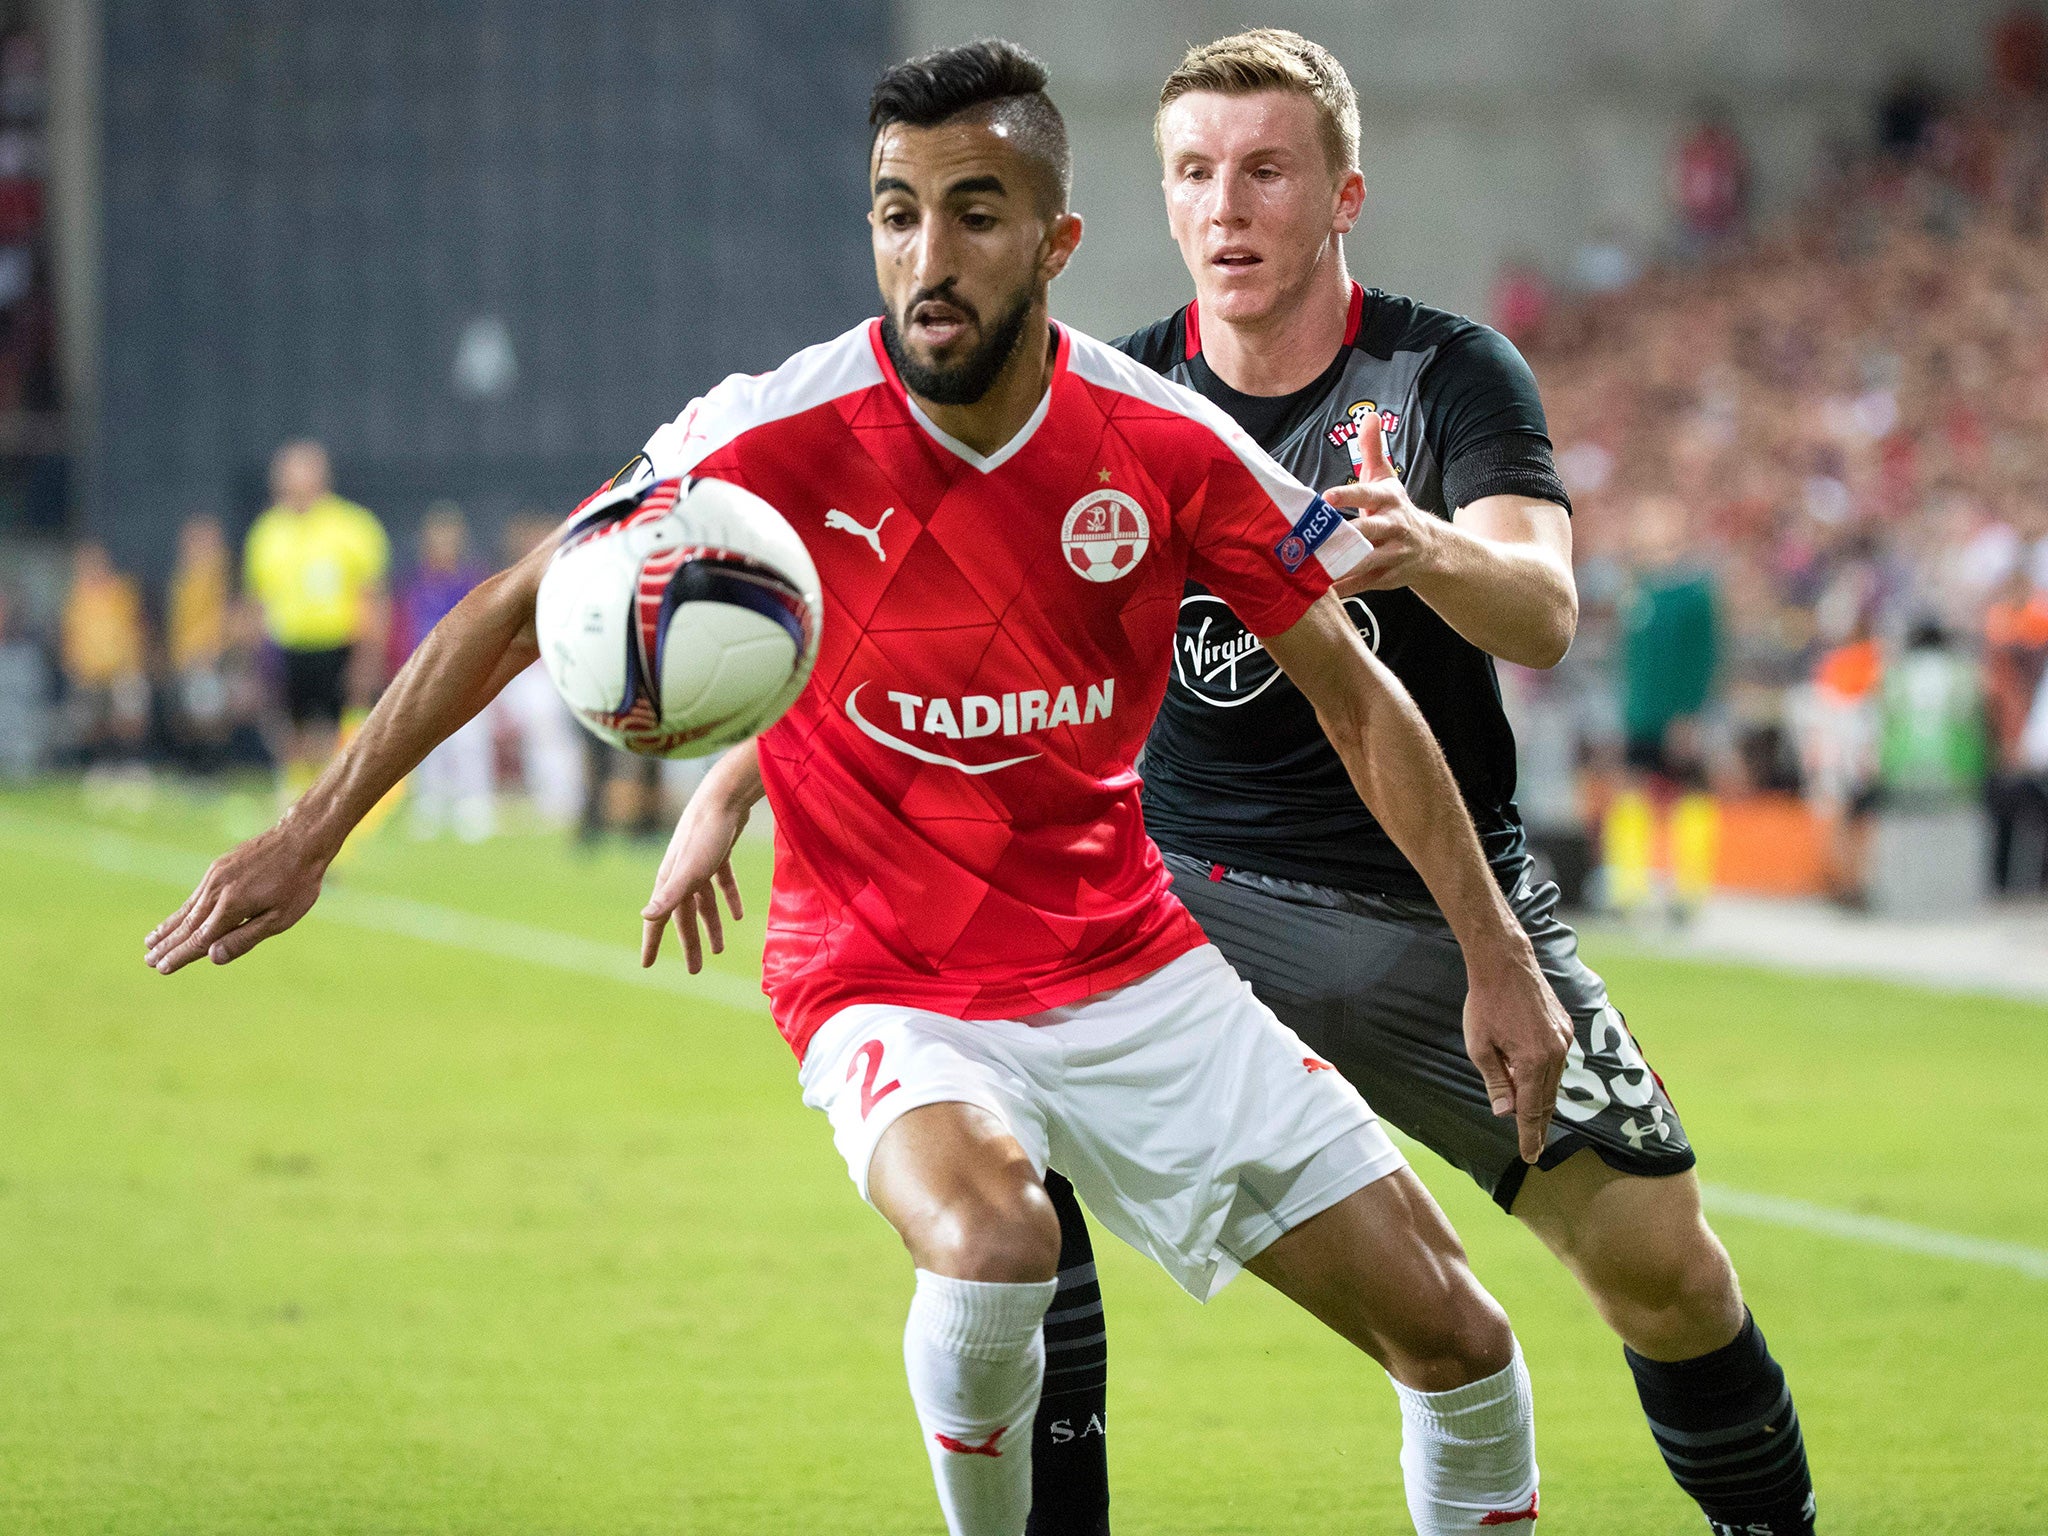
(966, 381)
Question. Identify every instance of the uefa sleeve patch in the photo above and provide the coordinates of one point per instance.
(1316, 523)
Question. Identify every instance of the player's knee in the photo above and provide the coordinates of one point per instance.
(1005, 1235)
(1672, 1300)
(1451, 1336)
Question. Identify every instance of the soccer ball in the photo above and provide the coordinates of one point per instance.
(678, 617)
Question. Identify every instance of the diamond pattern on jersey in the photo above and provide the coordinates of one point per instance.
(906, 879)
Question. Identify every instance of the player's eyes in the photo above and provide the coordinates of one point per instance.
(979, 221)
(898, 218)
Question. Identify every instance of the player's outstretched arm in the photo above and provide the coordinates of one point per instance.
(1499, 573)
(265, 885)
(698, 864)
(1515, 1029)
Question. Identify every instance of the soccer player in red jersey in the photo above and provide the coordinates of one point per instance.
(972, 945)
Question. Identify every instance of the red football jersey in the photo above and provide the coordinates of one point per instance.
(957, 824)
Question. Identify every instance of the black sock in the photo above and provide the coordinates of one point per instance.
(1730, 1435)
(1069, 1444)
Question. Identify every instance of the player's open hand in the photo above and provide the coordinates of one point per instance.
(694, 871)
(1405, 539)
(1518, 1034)
(252, 891)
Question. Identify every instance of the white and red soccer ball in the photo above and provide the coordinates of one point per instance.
(678, 616)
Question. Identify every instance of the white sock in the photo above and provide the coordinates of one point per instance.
(975, 1354)
(1470, 1453)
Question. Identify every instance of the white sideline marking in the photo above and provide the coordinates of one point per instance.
(119, 854)
(1804, 1216)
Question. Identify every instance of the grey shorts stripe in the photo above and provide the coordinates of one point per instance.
(1376, 986)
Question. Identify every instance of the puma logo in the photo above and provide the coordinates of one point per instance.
(962, 1448)
(845, 524)
(1316, 1064)
(1511, 1516)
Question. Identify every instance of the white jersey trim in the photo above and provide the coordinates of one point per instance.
(1103, 365)
(986, 463)
(741, 402)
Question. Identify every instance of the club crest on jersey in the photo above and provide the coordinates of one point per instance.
(1316, 523)
(1353, 423)
(1220, 662)
(1105, 535)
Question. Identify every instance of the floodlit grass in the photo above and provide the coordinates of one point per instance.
(369, 1233)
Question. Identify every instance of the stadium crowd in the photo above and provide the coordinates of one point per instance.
(1830, 434)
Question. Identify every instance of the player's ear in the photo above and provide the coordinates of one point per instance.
(1350, 201)
(1062, 239)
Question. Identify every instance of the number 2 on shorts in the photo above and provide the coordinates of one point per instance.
(870, 1095)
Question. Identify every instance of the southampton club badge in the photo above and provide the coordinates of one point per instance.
(1105, 535)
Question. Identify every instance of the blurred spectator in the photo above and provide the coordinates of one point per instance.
(24, 698)
(1673, 650)
(1710, 183)
(549, 741)
(197, 644)
(2016, 789)
(103, 657)
(1670, 657)
(1841, 753)
(317, 564)
(453, 785)
(1930, 753)
(2019, 53)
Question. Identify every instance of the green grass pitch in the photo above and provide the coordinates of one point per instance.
(372, 1232)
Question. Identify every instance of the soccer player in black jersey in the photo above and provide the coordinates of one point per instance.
(1281, 863)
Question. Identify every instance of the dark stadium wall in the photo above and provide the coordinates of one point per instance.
(479, 249)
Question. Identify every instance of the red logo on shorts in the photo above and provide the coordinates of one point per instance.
(870, 1095)
(986, 1448)
(1316, 1064)
(1509, 1516)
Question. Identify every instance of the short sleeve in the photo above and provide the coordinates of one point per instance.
(1486, 423)
(1265, 543)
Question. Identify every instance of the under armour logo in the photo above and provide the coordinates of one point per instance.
(1510, 1516)
(839, 520)
(962, 1448)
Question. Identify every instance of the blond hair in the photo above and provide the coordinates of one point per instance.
(1271, 59)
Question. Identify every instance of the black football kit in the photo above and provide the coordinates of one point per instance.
(1291, 877)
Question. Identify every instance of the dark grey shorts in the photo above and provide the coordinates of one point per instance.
(1376, 986)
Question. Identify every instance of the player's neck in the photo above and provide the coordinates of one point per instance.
(1287, 349)
(1001, 414)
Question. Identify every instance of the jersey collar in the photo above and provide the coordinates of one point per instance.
(989, 463)
(1351, 321)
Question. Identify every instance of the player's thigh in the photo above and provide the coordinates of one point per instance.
(942, 1134)
(1196, 1125)
(1641, 1247)
(1383, 1268)
(1380, 998)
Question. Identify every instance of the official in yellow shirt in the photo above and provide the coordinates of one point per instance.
(316, 565)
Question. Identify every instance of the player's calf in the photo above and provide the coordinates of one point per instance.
(1717, 1402)
(1383, 1268)
(970, 1207)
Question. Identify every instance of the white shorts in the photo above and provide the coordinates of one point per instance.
(1196, 1126)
